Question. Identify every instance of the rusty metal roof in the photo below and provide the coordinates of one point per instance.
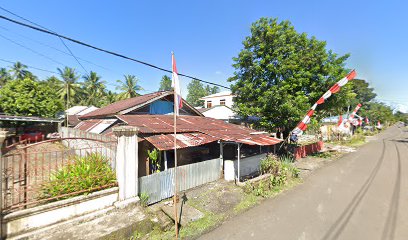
(124, 106)
(183, 140)
(119, 106)
(217, 129)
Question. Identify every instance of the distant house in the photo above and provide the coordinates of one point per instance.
(198, 138)
(219, 106)
(222, 98)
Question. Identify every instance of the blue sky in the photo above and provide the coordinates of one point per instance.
(205, 35)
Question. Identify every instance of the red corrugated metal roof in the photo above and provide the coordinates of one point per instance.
(116, 107)
(166, 141)
(218, 129)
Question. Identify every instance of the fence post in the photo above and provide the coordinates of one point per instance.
(3, 135)
(127, 164)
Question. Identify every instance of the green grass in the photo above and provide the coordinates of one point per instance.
(193, 229)
(356, 141)
(322, 155)
(251, 199)
(248, 201)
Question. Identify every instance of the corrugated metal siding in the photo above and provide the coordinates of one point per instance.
(160, 186)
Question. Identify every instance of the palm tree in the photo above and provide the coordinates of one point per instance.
(94, 89)
(70, 87)
(4, 77)
(19, 70)
(54, 83)
(128, 88)
(109, 97)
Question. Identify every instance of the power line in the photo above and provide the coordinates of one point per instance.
(54, 48)
(40, 69)
(105, 51)
(31, 50)
(69, 50)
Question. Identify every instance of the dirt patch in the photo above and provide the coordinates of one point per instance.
(217, 197)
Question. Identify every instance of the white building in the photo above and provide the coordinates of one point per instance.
(219, 106)
(221, 98)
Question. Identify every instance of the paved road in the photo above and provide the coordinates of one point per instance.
(363, 195)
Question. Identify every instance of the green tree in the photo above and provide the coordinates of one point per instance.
(54, 83)
(128, 88)
(70, 87)
(364, 93)
(93, 89)
(196, 90)
(108, 98)
(280, 73)
(165, 84)
(377, 111)
(29, 98)
(211, 90)
(4, 77)
(19, 70)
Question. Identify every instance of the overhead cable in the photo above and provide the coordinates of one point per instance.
(104, 50)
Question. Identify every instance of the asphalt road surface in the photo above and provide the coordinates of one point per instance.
(363, 195)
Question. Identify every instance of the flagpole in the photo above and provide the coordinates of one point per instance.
(175, 153)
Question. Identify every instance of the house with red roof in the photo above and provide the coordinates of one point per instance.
(198, 138)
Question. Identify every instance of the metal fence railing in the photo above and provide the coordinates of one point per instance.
(160, 185)
(26, 168)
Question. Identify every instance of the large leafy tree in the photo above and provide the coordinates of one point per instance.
(93, 89)
(128, 88)
(280, 73)
(364, 93)
(165, 83)
(377, 111)
(197, 90)
(70, 87)
(28, 97)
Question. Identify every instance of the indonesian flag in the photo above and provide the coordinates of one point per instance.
(175, 84)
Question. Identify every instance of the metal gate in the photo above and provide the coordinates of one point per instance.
(25, 168)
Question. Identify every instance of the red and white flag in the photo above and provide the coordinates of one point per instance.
(175, 84)
(367, 121)
(301, 127)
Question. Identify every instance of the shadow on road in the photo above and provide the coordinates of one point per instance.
(390, 224)
(337, 228)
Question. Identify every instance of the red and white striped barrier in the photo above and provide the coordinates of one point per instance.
(301, 127)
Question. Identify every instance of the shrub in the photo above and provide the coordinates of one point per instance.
(270, 164)
(85, 174)
(144, 198)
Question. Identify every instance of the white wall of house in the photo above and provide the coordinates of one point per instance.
(220, 112)
(218, 99)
